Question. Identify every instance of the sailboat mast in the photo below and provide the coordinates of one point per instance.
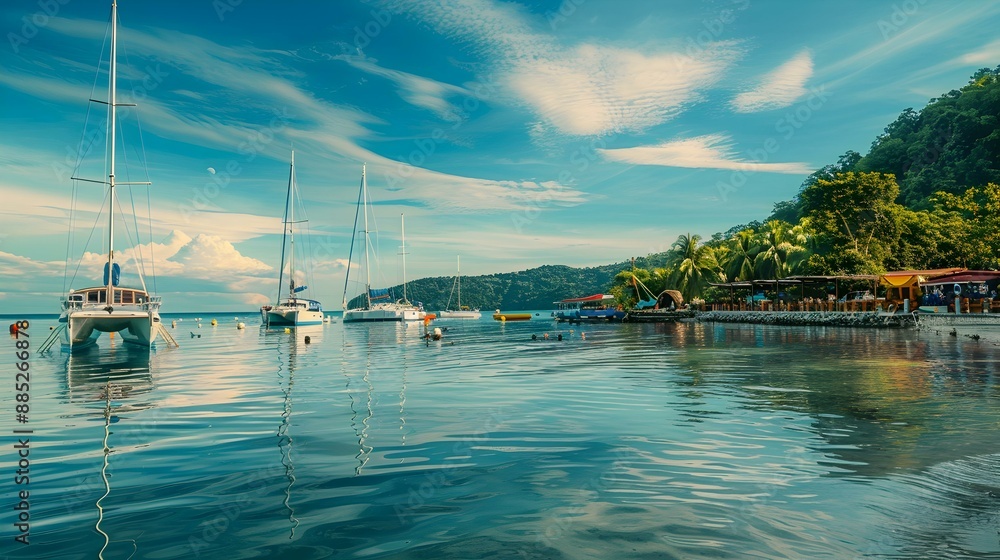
(290, 228)
(459, 269)
(368, 273)
(402, 231)
(112, 77)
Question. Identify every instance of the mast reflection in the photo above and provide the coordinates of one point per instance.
(287, 363)
(120, 380)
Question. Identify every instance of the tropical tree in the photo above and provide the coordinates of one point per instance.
(694, 266)
(780, 250)
(856, 218)
(978, 230)
(738, 263)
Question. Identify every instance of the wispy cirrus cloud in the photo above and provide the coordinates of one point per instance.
(246, 83)
(580, 89)
(711, 151)
(988, 54)
(779, 88)
(416, 90)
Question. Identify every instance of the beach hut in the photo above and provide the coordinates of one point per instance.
(668, 298)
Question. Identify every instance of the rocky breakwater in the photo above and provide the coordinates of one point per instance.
(821, 318)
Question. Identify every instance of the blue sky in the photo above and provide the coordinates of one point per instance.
(577, 132)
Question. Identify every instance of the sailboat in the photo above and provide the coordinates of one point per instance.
(376, 303)
(110, 308)
(458, 313)
(292, 310)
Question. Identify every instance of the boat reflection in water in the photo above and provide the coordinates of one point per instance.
(121, 374)
(119, 380)
(365, 381)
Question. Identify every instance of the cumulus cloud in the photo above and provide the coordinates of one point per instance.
(17, 267)
(205, 257)
(711, 151)
(212, 257)
(779, 88)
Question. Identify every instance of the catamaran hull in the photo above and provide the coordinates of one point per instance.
(84, 327)
(291, 318)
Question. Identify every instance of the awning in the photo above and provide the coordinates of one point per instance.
(964, 277)
(595, 297)
(903, 278)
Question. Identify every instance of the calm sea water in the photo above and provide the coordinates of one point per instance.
(619, 441)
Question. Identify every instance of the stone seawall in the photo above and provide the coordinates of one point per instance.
(822, 318)
(954, 320)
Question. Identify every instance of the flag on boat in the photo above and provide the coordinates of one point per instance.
(116, 273)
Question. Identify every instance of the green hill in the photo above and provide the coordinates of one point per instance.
(950, 145)
(535, 288)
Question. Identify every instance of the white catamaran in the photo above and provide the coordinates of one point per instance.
(292, 310)
(458, 312)
(376, 303)
(110, 308)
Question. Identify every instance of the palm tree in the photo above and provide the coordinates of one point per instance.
(778, 249)
(743, 249)
(694, 266)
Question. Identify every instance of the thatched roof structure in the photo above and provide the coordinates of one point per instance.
(667, 297)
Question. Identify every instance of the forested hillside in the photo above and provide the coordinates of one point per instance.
(534, 288)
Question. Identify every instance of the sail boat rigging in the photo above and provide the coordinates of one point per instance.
(376, 303)
(292, 310)
(110, 308)
(458, 313)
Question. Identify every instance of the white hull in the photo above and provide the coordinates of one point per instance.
(384, 312)
(459, 315)
(84, 326)
(290, 317)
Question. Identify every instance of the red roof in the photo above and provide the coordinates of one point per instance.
(965, 276)
(595, 297)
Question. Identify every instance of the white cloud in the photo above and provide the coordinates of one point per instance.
(711, 151)
(596, 89)
(922, 29)
(261, 80)
(205, 257)
(779, 88)
(583, 89)
(25, 269)
(988, 55)
(466, 194)
(214, 258)
(416, 90)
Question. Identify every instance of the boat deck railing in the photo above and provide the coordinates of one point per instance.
(121, 298)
